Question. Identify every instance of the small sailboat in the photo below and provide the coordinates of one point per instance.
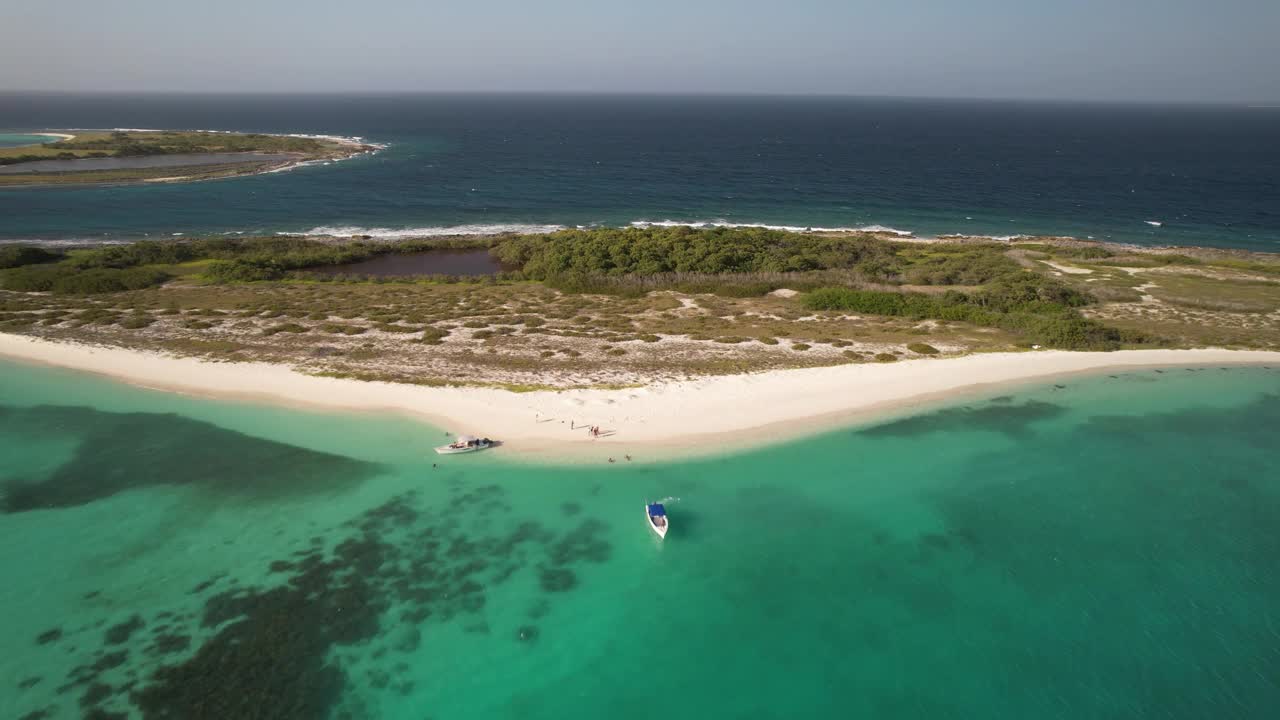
(657, 517)
(465, 444)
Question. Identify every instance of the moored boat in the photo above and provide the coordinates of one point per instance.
(465, 444)
(657, 516)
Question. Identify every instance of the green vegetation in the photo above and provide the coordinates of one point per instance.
(285, 328)
(954, 264)
(1206, 293)
(434, 336)
(1088, 252)
(634, 305)
(134, 322)
(141, 144)
(653, 251)
(219, 260)
(12, 256)
(66, 279)
(739, 262)
(1034, 307)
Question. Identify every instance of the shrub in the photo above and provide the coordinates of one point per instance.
(1039, 308)
(64, 279)
(224, 271)
(134, 322)
(800, 347)
(20, 321)
(12, 256)
(106, 280)
(339, 329)
(965, 266)
(286, 327)
(574, 259)
(923, 349)
(96, 314)
(146, 252)
(615, 351)
(1086, 253)
(886, 357)
(32, 278)
(394, 328)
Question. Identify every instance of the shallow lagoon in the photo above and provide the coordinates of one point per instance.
(1098, 547)
(23, 139)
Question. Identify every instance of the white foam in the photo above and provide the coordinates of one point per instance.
(63, 242)
(382, 233)
(788, 228)
(1000, 238)
(349, 139)
(1154, 223)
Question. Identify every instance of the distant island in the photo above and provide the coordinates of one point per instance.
(148, 156)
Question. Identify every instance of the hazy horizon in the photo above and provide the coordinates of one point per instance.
(692, 95)
(1145, 51)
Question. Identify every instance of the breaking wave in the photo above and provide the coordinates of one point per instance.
(382, 233)
(764, 226)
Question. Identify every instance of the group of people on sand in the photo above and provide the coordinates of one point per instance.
(594, 431)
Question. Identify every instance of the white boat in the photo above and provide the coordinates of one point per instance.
(465, 444)
(656, 514)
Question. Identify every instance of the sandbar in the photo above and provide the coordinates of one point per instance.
(653, 423)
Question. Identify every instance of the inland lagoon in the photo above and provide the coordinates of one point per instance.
(458, 262)
(1099, 546)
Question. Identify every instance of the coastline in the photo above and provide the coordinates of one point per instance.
(253, 162)
(659, 422)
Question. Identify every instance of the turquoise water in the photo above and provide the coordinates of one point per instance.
(1099, 548)
(20, 139)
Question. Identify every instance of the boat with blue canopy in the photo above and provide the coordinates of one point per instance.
(657, 516)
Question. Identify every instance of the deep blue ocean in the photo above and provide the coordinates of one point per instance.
(1148, 174)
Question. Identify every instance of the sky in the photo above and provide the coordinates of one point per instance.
(1122, 50)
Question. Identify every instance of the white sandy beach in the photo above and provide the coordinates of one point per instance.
(677, 418)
